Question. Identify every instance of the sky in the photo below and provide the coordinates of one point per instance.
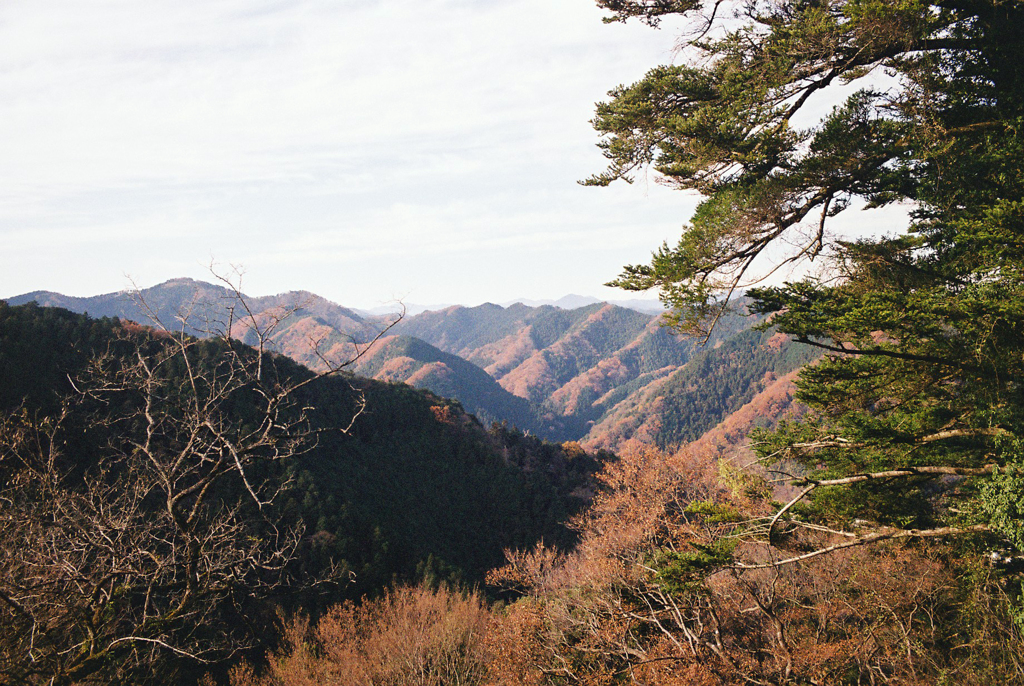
(423, 150)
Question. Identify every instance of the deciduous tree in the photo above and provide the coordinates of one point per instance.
(135, 520)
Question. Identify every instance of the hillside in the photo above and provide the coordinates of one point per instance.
(617, 373)
(412, 361)
(416, 475)
(600, 373)
(144, 472)
(681, 406)
(200, 308)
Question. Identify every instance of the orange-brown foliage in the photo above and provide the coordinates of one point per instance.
(516, 645)
(728, 438)
(137, 329)
(443, 414)
(411, 636)
(500, 357)
(605, 613)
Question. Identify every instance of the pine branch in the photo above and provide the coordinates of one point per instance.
(888, 534)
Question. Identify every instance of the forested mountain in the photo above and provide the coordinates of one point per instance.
(94, 412)
(682, 406)
(416, 489)
(200, 307)
(535, 352)
(572, 302)
(412, 361)
(398, 445)
(601, 373)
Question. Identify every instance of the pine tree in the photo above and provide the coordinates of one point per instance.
(918, 408)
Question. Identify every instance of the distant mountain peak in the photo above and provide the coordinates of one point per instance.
(574, 301)
(181, 281)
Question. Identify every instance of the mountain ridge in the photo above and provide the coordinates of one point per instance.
(600, 374)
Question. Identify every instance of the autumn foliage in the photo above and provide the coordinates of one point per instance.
(653, 595)
(409, 636)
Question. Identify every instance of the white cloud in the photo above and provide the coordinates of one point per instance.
(355, 149)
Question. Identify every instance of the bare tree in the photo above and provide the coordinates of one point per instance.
(135, 523)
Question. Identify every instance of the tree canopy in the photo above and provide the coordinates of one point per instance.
(918, 405)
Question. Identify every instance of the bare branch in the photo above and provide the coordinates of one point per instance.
(162, 644)
(130, 548)
(874, 537)
(926, 470)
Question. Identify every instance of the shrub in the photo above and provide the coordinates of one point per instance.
(412, 636)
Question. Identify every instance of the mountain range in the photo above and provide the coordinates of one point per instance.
(566, 302)
(600, 374)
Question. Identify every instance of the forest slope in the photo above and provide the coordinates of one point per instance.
(600, 373)
(416, 478)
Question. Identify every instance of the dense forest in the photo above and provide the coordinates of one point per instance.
(215, 492)
(199, 510)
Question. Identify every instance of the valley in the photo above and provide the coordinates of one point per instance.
(600, 374)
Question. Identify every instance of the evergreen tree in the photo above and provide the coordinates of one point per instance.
(918, 407)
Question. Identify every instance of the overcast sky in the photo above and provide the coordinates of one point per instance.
(419, 149)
